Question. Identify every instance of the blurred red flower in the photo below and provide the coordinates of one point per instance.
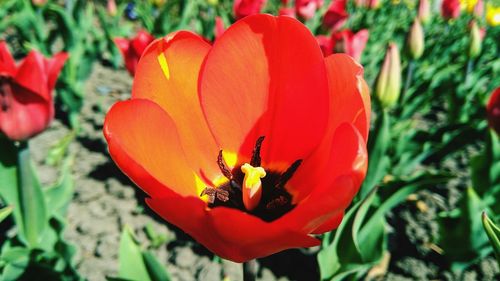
(219, 27)
(493, 110)
(132, 49)
(351, 43)
(336, 15)
(243, 8)
(450, 9)
(307, 8)
(26, 103)
(326, 44)
(250, 145)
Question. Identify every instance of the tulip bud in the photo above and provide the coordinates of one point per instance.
(219, 27)
(415, 40)
(424, 11)
(336, 15)
(111, 7)
(388, 85)
(475, 40)
(492, 15)
(478, 10)
(493, 111)
(284, 11)
(39, 2)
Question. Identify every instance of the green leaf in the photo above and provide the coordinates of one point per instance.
(131, 263)
(5, 212)
(377, 148)
(156, 270)
(61, 194)
(461, 233)
(493, 232)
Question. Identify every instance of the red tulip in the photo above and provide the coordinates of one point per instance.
(351, 43)
(132, 49)
(307, 8)
(326, 44)
(26, 100)
(336, 15)
(219, 27)
(450, 9)
(493, 110)
(284, 11)
(243, 8)
(250, 145)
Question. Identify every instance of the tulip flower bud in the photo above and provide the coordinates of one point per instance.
(424, 11)
(111, 7)
(388, 85)
(39, 2)
(478, 9)
(415, 40)
(493, 111)
(475, 40)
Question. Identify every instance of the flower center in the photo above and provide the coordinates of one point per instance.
(5, 93)
(252, 188)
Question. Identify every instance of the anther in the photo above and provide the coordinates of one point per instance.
(223, 167)
(256, 160)
(287, 175)
(213, 193)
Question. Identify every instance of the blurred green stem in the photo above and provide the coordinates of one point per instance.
(250, 270)
(468, 71)
(25, 183)
(409, 78)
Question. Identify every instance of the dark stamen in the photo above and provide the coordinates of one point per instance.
(287, 175)
(212, 193)
(256, 161)
(223, 167)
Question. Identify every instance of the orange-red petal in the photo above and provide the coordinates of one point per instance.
(265, 76)
(229, 233)
(349, 102)
(347, 162)
(143, 141)
(168, 75)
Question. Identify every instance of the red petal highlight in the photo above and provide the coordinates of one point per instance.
(275, 87)
(53, 66)
(139, 130)
(168, 75)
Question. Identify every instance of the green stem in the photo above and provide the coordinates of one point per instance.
(409, 78)
(28, 193)
(468, 71)
(250, 270)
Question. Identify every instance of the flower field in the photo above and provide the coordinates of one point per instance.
(250, 140)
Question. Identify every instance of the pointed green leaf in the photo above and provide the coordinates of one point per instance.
(156, 270)
(493, 232)
(5, 212)
(131, 262)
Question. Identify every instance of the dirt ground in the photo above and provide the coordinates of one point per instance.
(105, 200)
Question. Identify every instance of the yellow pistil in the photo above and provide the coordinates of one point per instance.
(252, 185)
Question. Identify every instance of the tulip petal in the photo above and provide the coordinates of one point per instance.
(32, 75)
(123, 45)
(349, 102)
(229, 233)
(347, 164)
(27, 115)
(167, 74)
(265, 76)
(7, 63)
(53, 66)
(140, 134)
